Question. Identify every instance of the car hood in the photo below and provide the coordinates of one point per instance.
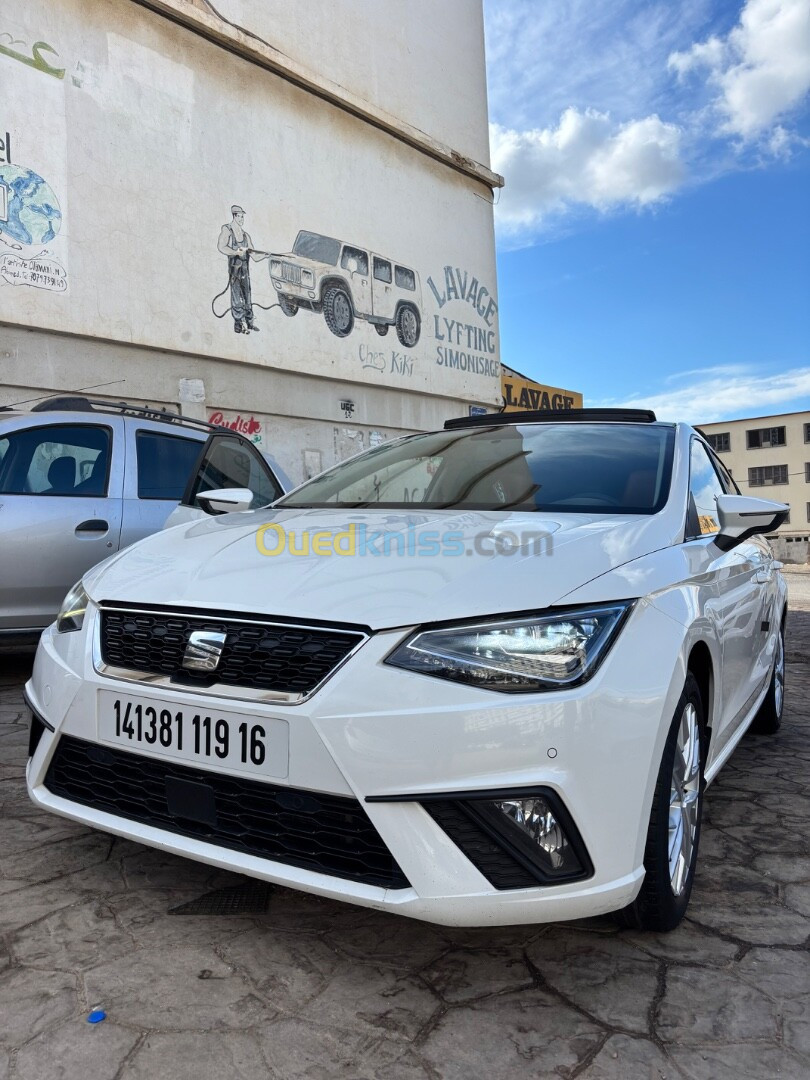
(440, 564)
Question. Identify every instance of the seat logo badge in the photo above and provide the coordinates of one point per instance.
(204, 650)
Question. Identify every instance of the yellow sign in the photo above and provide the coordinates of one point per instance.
(520, 393)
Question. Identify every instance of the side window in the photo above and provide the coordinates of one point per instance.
(405, 279)
(165, 463)
(382, 270)
(354, 260)
(60, 459)
(726, 479)
(704, 487)
(228, 463)
(3, 448)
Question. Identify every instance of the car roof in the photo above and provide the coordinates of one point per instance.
(76, 408)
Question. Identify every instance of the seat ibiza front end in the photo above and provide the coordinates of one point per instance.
(479, 676)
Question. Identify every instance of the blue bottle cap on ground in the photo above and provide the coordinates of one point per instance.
(96, 1016)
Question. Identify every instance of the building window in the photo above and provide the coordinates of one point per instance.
(766, 475)
(808, 511)
(721, 442)
(807, 432)
(807, 472)
(758, 438)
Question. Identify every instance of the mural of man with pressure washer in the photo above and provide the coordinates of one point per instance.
(235, 243)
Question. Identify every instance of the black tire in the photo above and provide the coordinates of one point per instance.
(381, 328)
(769, 717)
(287, 305)
(409, 326)
(338, 311)
(664, 895)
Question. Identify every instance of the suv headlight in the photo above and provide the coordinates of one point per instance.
(549, 652)
(74, 606)
(275, 267)
(307, 277)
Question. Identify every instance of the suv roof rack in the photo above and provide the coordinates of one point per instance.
(74, 403)
(553, 416)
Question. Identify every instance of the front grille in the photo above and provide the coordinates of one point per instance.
(263, 656)
(291, 273)
(329, 834)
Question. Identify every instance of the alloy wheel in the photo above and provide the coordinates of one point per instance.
(684, 799)
(779, 676)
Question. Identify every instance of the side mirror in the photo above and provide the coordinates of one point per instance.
(741, 516)
(225, 500)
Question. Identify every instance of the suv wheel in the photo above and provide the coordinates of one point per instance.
(381, 328)
(287, 305)
(673, 834)
(408, 326)
(769, 718)
(337, 311)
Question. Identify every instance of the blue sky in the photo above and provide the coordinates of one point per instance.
(654, 234)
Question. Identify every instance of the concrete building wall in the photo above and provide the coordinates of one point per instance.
(125, 138)
(421, 61)
(793, 457)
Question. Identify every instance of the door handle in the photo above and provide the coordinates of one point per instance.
(92, 527)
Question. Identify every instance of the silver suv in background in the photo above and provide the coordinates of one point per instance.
(81, 479)
(347, 282)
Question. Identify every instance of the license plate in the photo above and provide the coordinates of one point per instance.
(198, 736)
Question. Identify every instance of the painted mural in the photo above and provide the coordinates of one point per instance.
(334, 254)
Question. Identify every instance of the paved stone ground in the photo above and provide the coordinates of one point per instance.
(315, 989)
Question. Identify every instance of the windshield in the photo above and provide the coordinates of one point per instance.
(320, 248)
(568, 468)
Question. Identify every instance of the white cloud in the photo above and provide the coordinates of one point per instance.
(759, 71)
(723, 393)
(584, 160)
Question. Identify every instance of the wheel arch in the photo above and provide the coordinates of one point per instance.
(701, 665)
(340, 283)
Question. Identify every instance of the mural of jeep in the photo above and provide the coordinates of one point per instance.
(347, 283)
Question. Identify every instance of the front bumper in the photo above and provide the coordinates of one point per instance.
(596, 747)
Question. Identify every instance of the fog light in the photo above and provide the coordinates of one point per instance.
(537, 821)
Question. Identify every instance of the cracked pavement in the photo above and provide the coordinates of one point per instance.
(283, 985)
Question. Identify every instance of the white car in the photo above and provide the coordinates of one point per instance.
(477, 676)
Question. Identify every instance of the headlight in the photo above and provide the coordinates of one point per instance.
(71, 615)
(522, 655)
(307, 277)
(275, 267)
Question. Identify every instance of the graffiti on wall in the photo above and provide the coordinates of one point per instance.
(236, 245)
(467, 342)
(30, 218)
(248, 426)
(14, 47)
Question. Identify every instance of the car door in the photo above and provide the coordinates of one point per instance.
(382, 292)
(159, 465)
(738, 575)
(228, 461)
(60, 512)
(355, 262)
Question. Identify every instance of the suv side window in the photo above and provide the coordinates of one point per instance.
(726, 479)
(360, 258)
(704, 487)
(228, 464)
(58, 459)
(165, 463)
(405, 278)
(382, 270)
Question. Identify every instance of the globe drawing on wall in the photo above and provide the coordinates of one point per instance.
(29, 210)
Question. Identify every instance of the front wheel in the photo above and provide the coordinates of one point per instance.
(673, 834)
(337, 311)
(408, 326)
(381, 328)
(769, 718)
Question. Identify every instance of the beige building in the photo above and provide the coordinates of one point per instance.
(255, 212)
(769, 456)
